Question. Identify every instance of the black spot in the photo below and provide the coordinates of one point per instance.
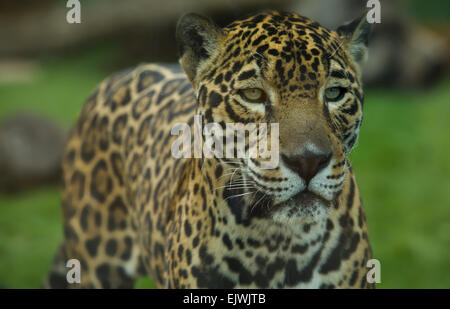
(103, 275)
(158, 250)
(211, 278)
(98, 218)
(330, 225)
(306, 228)
(92, 245)
(117, 215)
(215, 99)
(134, 167)
(352, 109)
(261, 261)
(147, 78)
(168, 89)
(84, 217)
(111, 247)
(226, 240)
(205, 257)
(326, 286)
(353, 278)
(144, 130)
(240, 243)
(312, 75)
(280, 69)
(218, 171)
(70, 234)
(315, 65)
(299, 249)
(273, 52)
(196, 188)
(338, 74)
(259, 40)
(118, 128)
(228, 76)
(344, 220)
(187, 228)
(346, 245)
(315, 51)
(104, 137)
(294, 276)
(78, 181)
(188, 257)
(351, 194)
(180, 252)
(218, 79)
(141, 105)
(247, 74)
(253, 242)
(236, 52)
(70, 157)
(235, 203)
(262, 48)
(236, 67)
(87, 149)
(195, 242)
(117, 166)
(126, 255)
(360, 218)
(245, 277)
(213, 220)
(183, 273)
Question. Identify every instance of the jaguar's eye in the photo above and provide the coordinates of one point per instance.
(334, 94)
(254, 95)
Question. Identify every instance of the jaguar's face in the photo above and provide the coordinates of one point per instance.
(287, 70)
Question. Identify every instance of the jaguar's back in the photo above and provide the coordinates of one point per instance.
(118, 160)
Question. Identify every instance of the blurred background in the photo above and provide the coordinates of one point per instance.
(49, 67)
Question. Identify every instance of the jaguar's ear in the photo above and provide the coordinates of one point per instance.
(355, 36)
(197, 39)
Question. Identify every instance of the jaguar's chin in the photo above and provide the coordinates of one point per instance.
(307, 198)
(302, 206)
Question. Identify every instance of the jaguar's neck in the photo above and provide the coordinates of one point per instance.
(225, 231)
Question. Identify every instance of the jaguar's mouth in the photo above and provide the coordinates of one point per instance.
(302, 204)
(305, 198)
(305, 205)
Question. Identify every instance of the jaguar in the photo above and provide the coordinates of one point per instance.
(131, 209)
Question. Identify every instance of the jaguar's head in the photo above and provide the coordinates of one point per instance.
(285, 69)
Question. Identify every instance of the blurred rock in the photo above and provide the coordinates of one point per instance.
(31, 148)
(13, 71)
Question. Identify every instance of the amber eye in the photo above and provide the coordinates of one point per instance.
(253, 95)
(334, 94)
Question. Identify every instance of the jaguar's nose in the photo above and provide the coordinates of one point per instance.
(308, 164)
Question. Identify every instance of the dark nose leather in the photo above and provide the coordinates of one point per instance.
(308, 164)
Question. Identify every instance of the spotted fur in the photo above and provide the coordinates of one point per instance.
(130, 209)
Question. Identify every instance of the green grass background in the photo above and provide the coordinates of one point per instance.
(401, 163)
